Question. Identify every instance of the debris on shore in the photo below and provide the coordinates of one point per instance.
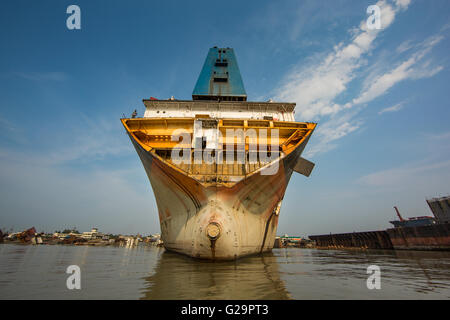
(73, 237)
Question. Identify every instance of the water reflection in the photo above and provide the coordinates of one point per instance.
(39, 272)
(180, 277)
(418, 271)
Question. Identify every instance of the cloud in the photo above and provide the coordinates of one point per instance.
(51, 197)
(440, 136)
(408, 69)
(84, 178)
(394, 108)
(331, 131)
(407, 175)
(82, 175)
(94, 139)
(405, 46)
(319, 87)
(432, 172)
(403, 4)
(315, 88)
(91, 140)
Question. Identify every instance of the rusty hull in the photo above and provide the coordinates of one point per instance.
(246, 213)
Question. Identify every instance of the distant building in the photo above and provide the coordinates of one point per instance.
(290, 239)
(93, 234)
(62, 235)
(440, 208)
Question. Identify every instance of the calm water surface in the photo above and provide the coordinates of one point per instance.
(38, 272)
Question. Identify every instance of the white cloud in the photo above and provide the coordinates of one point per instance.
(317, 86)
(394, 108)
(331, 131)
(387, 14)
(408, 69)
(403, 4)
(314, 88)
(404, 46)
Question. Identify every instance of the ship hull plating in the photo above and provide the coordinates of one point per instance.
(217, 222)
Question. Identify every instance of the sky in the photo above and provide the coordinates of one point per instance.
(380, 98)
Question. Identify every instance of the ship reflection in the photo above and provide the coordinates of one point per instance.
(180, 277)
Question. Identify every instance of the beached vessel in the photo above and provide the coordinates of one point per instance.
(219, 165)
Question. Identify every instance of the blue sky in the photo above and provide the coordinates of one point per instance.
(380, 97)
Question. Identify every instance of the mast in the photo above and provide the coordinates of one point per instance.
(220, 78)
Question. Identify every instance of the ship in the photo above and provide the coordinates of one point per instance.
(219, 165)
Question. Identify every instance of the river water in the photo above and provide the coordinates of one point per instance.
(145, 272)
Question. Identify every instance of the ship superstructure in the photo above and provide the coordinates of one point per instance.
(219, 165)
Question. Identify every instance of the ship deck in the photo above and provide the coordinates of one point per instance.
(235, 156)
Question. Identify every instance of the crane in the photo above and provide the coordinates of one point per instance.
(398, 214)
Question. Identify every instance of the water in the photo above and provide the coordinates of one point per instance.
(38, 272)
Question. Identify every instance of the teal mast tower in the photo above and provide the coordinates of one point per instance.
(220, 78)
